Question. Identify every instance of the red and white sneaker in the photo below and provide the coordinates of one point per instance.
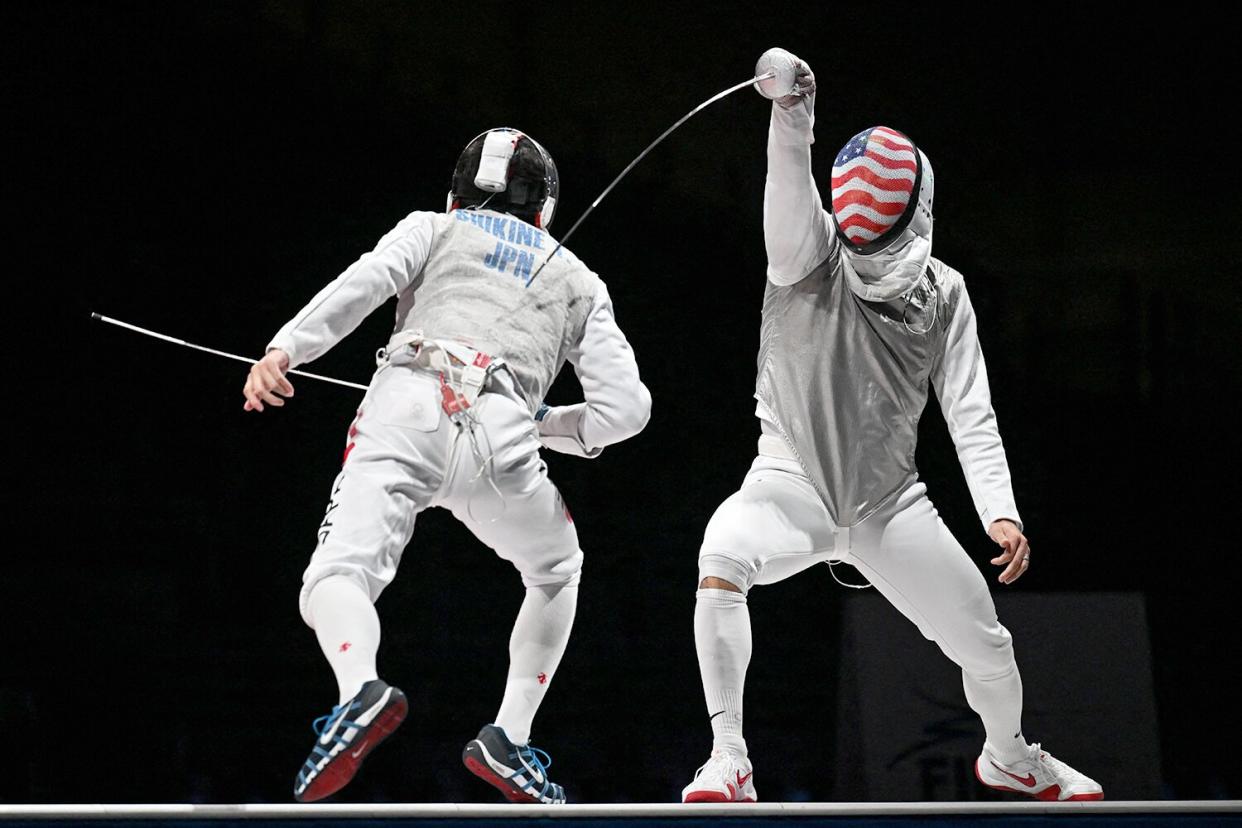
(1039, 775)
(725, 778)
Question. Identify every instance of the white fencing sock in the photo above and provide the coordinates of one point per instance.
(348, 630)
(535, 649)
(998, 701)
(722, 638)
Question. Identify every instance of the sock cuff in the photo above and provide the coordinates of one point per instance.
(719, 597)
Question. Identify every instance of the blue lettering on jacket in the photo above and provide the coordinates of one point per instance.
(522, 268)
(506, 256)
(523, 234)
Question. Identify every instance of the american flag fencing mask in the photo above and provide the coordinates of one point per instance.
(881, 185)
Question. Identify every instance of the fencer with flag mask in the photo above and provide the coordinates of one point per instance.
(454, 417)
(859, 323)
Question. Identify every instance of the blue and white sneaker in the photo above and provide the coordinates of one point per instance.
(346, 736)
(520, 772)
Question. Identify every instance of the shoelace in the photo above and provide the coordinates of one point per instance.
(535, 759)
(321, 726)
(722, 760)
(1059, 769)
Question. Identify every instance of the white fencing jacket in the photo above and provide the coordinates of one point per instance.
(842, 381)
(466, 276)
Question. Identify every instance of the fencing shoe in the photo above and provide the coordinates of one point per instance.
(725, 778)
(346, 736)
(520, 772)
(1038, 775)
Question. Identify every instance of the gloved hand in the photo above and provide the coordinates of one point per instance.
(793, 79)
(804, 87)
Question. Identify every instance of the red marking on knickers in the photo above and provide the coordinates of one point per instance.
(564, 506)
(345, 646)
(543, 678)
(353, 432)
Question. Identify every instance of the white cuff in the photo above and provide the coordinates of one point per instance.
(994, 513)
(288, 348)
(558, 430)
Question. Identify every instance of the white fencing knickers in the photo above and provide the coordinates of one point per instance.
(776, 525)
(404, 454)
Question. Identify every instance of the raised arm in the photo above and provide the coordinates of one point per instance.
(617, 404)
(797, 231)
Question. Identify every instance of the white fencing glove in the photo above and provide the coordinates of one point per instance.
(793, 79)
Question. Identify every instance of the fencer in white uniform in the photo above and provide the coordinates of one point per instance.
(858, 321)
(454, 417)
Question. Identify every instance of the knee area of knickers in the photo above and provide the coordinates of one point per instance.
(331, 579)
(993, 675)
(728, 569)
(984, 657)
(996, 660)
(564, 572)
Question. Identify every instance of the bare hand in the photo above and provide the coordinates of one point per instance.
(1017, 555)
(267, 380)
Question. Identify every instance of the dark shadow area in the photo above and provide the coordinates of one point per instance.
(203, 169)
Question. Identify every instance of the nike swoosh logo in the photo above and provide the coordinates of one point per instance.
(365, 718)
(360, 749)
(361, 721)
(1029, 780)
(714, 715)
(741, 780)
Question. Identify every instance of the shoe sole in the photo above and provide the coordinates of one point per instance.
(474, 757)
(338, 773)
(1050, 794)
(712, 796)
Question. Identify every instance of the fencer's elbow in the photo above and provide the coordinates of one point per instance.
(620, 417)
(636, 416)
(644, 397)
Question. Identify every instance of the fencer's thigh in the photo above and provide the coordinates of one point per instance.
(394, 463)
(499, 489)
(912, 558)
(775, 526)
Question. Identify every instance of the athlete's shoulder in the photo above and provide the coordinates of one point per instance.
(950, 287)
(420, 223)
(564, 256)
(572, 265)
(420, 219)
(943, 272)
(948, 279)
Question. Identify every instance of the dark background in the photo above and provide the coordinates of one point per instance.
(203, 169)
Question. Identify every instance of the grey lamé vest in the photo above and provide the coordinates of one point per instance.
(474, 289)
(847, 380)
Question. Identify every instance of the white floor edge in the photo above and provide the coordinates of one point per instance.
(629, 810)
